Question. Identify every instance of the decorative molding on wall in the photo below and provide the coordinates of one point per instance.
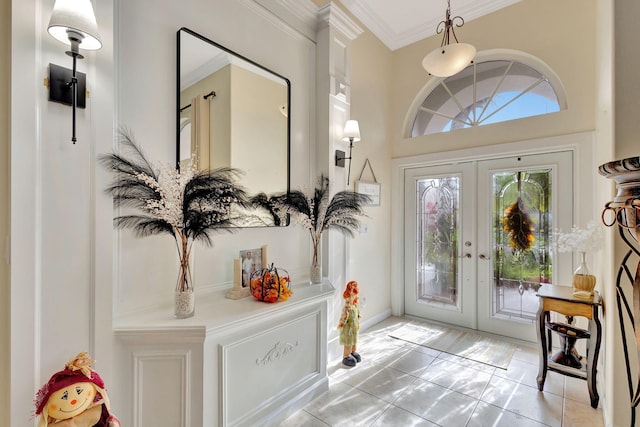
(182, 360)
(279, 351)
(292, 17)
(161, 335)
(297, 360)
(333, 16)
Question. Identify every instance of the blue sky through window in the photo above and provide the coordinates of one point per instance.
(527, 105)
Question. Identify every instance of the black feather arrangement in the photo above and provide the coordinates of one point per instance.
(190, 205)
(317, 212)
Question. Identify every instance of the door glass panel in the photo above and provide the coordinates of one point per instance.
(522, 217)
(438, 201)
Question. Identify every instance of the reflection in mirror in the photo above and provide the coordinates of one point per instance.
(233, 112)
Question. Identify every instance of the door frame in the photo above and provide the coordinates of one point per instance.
(584, 175)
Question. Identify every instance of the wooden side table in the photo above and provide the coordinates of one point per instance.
(560, 299)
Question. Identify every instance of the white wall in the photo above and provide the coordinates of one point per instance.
(68, 264)
(62, 249)
(370, 253)
(5, 54)
(147, 268)
(60, 262)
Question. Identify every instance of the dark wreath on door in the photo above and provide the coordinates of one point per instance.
(522, 224)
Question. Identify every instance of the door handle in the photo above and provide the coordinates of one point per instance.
(483, 256)
(465, 256)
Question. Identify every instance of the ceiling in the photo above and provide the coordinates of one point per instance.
(398, 23)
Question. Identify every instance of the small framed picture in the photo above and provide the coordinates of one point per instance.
(371, 189)
(251, 262)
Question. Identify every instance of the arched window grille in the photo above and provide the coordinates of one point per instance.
(485, 92)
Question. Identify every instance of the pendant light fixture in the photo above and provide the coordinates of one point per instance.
(449, 59)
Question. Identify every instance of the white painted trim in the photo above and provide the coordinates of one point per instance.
(375, 319)
(25, 207)
(396, 40)
(582, 144)
(183, 357)
(333, 16)
(297, 19)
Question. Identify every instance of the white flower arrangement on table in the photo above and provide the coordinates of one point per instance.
(587, 239)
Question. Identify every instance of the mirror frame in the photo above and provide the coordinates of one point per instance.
(255, 64)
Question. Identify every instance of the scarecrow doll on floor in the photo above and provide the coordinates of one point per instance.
(75, 397)
(350, 324)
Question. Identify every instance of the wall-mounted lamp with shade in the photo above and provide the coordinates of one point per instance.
(351, 134)
(72, 22)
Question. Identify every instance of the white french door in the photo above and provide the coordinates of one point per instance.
(477, 239)
(439, 253)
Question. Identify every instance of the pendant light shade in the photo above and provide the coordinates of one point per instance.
(449, 58)
(75, 18)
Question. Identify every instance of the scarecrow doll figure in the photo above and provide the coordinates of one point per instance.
(350, 324)
(75, 397)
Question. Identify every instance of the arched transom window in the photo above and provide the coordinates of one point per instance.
(486, 92)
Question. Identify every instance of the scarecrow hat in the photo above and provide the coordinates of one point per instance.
(75, 371)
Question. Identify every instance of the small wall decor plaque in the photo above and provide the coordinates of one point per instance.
(371, 189)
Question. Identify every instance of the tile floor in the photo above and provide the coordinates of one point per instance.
(403, 384)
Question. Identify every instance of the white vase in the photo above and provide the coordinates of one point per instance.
(184, 297)
(315, 271)
(184, 304)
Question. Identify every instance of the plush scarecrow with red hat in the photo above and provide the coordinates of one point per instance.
(75, 397)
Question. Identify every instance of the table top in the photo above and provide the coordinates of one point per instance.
(565, 293)
(214, 312)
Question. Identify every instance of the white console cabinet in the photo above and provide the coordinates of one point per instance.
(235, 363)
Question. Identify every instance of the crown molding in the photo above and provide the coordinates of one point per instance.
(331, 15)
(296, 15)
(396, 40)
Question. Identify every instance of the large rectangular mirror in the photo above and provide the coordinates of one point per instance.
(232, 111)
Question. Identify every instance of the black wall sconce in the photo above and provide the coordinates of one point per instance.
(72, 22)
(351, 134)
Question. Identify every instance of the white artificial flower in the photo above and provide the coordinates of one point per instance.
(587, 239)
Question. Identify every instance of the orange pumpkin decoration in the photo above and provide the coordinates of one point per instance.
(271, 284)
